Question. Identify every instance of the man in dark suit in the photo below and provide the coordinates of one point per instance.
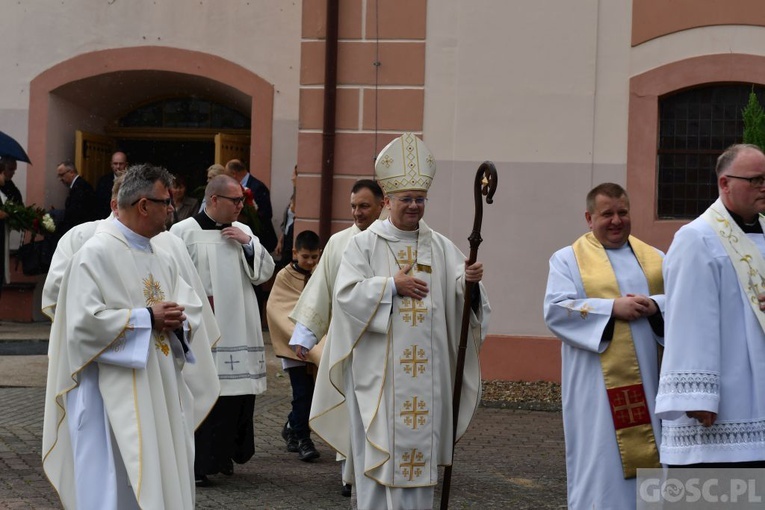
(80, 204)
(265, 231)
(119, 164)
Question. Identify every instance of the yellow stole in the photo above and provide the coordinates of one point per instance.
(619, 363)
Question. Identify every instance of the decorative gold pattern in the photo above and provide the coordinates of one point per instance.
(414, 361)
(756, 281)
(407, 257)
(413, 311)
(412, 463)
(584, 310)
(387, 161)
(161, 343)
(152, 291)
(415, 413)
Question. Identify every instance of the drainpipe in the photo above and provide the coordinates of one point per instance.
(328, 130)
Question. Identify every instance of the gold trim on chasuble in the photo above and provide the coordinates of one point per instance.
(621, 372)
(152, 291)
(413, 465)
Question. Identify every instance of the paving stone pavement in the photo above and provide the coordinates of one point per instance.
(509, 459)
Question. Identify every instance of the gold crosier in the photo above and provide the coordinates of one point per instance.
(621, 372)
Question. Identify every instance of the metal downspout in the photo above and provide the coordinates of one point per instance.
(328, 130)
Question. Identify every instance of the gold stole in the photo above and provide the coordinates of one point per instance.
(619, 363)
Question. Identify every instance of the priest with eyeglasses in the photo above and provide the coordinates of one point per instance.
(230, 260)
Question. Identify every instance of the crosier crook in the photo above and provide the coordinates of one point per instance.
(485, 184)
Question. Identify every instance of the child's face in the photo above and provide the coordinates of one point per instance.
(306, 259)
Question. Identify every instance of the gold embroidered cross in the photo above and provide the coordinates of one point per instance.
(414, 361)
(412, 464)
(414, 413)
(406, 257)
(413, 311)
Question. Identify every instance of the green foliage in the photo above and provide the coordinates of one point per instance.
(754, 122)
(27, 218)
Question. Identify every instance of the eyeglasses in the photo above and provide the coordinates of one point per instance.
(235, 200)
(164, 201)
(408, 200)
(60, 175)
(754, 182)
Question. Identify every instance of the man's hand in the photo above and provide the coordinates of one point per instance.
(473, 273)
(409, 286)
(237, 234)
(3, 215)
(168, 316)
(633, 306)
(706, 418)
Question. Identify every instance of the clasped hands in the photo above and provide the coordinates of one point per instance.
(409, 286)
(633, 306)
(168, 316)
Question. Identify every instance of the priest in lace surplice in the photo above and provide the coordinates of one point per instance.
(119, 417)
(395, 327)
(711, 398)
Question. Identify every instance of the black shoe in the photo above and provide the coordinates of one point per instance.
(346, 490)
(202, 481)
(307, 451)
(289, 438)
(227, 468)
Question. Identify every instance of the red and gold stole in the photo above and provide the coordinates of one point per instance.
(619, 363)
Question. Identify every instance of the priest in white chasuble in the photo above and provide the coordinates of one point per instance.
(397, 315)
(711, 398)
(229, 260)
(605, 300)
(201, 377)
(119, 417)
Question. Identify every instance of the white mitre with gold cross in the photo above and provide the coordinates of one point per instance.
(405, 164)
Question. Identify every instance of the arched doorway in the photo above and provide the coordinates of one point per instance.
(90, 91)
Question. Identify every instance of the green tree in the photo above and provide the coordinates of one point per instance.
(754, 122)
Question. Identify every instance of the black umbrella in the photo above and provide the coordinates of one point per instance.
(10, 149)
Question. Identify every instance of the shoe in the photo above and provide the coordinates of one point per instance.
(346, 490)
(202, 481)
(227, 468)
(289, 438)
(307, 451)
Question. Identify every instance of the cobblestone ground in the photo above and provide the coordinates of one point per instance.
(510, 459)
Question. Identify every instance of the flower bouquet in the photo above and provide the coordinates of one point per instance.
(34, 256)
(28, 218)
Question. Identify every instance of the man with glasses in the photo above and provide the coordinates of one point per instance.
(119, 164)
(710, 393)
(383, 396)
(119, 416)
(603, 301)
(230, 260)
(80, 204)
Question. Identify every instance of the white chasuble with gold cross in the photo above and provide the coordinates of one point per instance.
(392, 359)
(134, 436)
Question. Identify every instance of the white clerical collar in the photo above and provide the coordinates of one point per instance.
(75, 178)
(135, 241)
(393, 230)
(216, 223)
